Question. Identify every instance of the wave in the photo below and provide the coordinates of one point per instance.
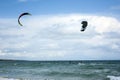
(114, 77)
(81, 64)
(2, 78)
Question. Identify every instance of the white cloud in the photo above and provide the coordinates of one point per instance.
(114, 46)
(59, 37)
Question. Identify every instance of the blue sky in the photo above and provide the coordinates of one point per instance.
(15, 7)
(53, 30)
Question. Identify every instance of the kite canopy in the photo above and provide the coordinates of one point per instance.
(84, 25)
(21, 16)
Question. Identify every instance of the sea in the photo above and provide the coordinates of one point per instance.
(60, 70)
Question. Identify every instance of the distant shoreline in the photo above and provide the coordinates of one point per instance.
(57, 60)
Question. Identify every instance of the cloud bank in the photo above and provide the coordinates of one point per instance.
(58, 37)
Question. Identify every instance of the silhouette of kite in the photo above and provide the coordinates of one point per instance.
(84, 25)
(23, 14)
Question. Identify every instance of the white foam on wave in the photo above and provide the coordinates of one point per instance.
(1, 78)
(114, 77)
(81, 64)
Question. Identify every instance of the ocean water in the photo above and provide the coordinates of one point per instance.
(60, 70)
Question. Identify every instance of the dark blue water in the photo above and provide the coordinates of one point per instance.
(59, 70)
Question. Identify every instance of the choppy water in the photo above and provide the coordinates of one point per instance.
(59, 70)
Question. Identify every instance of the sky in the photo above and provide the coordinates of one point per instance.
(52, 32)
